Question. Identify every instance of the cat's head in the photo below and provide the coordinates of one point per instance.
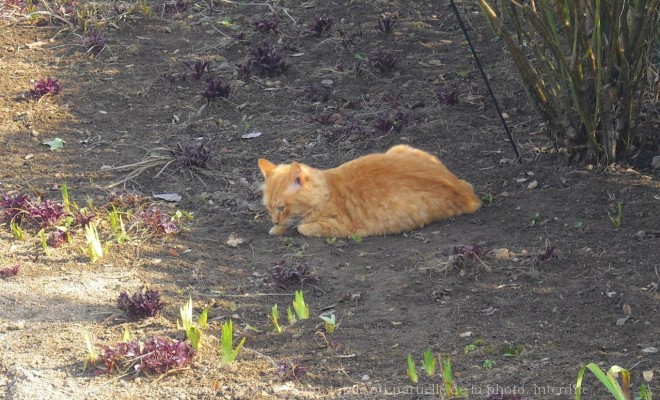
(290, 190)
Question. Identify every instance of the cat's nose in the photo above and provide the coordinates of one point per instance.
(275, 219)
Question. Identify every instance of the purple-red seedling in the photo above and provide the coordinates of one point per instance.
(317, 92)
(284, 277)
(172, 7)
(45, 86)
(82, 219)
(448, 96)
(195, 154)
(56, 238)
(386, 23)
(14, 207)
(197, 68)
(156, 356)
(265, 60)
(319, 25)
(144, 303)
(382, 61)
(547, 254)
(47, 213)
(215, 88)
(126, 200)
(290, 370)
(157, 222)
(10, 271)
(95, 41)
(466, 253)
(266, 25)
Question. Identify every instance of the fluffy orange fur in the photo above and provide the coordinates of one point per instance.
(402, 189)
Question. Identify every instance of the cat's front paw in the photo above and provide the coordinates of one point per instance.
(277, 230)
(310, 229)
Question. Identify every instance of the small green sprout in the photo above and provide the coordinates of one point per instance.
(117, 226)
(274, 317)
(486, 198)
(16, 231)
(451, 389)
(616, 220)
(469, 348)
(302, 310)
(94, 247)
(126, 336)
(193, 333)
(44, 241)
(329, 321)
(290, 316)
(91, 354)
(65, 197)
(578, 225)
(428, 362)
(228, 353)
(412, 370)
(357, 239)
(488, 364)
(203, 318)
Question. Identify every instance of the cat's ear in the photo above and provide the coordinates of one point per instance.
(296, 175)
(266, 167)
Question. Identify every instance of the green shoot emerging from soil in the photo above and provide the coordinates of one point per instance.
(91, 354)
(412, 370)
(290, 316)
(16, 231)
(428, 362)
(193, 333)
(302, 310)
(228, 353)
(451, 390)
(616, 220)
(609, 380)
(94, 247)
(274, 317)
(488, 364)
(329, 322)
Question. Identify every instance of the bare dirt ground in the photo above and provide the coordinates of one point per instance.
(536, 313)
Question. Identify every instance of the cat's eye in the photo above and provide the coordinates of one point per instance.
(281, 209)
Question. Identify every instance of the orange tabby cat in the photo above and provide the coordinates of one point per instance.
(400, 190)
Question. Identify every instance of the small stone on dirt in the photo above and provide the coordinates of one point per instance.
(533, 185)
(16, 326)
(327, 82)
(621, 321)
(503, 254)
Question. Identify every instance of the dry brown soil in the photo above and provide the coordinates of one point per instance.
(538, 320)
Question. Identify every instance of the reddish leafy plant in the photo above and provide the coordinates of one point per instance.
(15, 207)
(265, 60)
(317, 92)
(386, 23)
(284, 276)
(10, 271)
(266, 25)
(158, 222)
(45, 86)
(144, 303)
(290, 370)
(126, 200)
(319, 25)
(195, 154)
(56, 238)
(197, 68)
(466, 253)
(448, 96)
(392, 122)
(95, 41)
(215, 88)
(157, 355)
(382, 61)
(47, 213)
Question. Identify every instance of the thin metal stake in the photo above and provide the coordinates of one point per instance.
(485, 78)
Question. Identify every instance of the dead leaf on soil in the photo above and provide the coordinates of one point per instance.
(234, 240)
(168, 197)
(503, 254)
(648, 375)
(489, 310)
(251, 135)
(627, 309)
(621, 321)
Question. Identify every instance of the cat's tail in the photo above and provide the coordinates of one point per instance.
(470, 203)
